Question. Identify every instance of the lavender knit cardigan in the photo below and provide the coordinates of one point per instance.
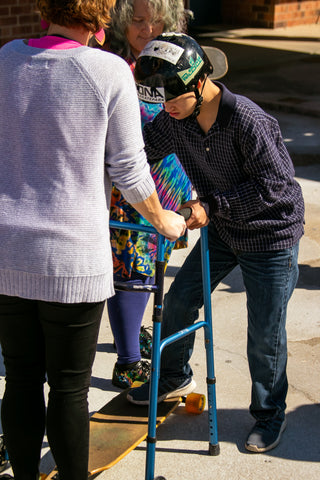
(69, 126)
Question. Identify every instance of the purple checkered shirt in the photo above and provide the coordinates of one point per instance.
(241, 168)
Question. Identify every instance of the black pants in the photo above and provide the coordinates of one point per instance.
(55, 342)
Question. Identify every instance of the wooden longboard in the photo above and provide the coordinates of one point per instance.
(117, 428)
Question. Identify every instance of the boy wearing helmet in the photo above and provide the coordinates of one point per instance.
(235, 157)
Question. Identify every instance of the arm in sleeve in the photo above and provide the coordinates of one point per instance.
(267, 168)
(125, 157)
(158, 138)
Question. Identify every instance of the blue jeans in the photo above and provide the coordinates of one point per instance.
(269, 279)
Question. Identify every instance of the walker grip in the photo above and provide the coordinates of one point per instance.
(185, 212)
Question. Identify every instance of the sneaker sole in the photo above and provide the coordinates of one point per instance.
(174, 394)
(256, 449)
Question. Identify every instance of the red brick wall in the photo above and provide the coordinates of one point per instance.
(303, 12)
(18, 19)
(270, 13)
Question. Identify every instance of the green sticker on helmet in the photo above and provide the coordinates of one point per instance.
(188, 74)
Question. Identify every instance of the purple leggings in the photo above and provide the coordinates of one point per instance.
(126, 311)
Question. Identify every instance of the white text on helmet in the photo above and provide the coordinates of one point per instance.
(151, 94)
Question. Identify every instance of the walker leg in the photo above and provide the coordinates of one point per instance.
(214, 448)
(155, 364)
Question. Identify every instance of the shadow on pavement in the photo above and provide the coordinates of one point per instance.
(300, 441)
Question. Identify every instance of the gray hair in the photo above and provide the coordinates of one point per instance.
(172, 12)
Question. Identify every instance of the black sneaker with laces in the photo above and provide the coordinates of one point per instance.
(145, 340)
(168, 388)
(265, 435)
(124, 375)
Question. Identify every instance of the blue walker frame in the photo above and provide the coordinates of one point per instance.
(158, 345)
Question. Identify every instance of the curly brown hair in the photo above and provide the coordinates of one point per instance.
(92, 14)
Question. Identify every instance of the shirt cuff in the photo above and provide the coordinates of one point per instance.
(211, 205)
(206, 207)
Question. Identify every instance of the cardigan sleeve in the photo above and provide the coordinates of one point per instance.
(125, 157)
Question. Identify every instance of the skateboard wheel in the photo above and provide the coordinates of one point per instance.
(195, 403)
(160, 478)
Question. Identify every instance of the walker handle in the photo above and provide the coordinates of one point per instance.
(185, 212)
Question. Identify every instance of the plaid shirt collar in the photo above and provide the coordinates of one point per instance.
(225, 112)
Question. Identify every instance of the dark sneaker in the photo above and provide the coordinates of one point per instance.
(145, 340)
(4, 459)
(168, 388)
(124, 375)
(265, 435)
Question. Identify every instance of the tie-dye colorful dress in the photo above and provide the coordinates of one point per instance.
(136, 251)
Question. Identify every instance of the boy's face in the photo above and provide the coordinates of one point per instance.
(181, 107)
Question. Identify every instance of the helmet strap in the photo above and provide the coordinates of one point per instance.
(199, 99)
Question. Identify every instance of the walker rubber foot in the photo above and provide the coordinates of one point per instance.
(214, 450)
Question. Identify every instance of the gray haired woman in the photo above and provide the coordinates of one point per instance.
(172, 15)
(133, 24)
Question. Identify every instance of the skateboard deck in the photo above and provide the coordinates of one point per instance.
(117, 428)
(219, 61)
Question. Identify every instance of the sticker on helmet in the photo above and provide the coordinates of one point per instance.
(167, 51)
(188, 74)
(151, 94)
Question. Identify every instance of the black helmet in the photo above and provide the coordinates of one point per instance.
(169, 66)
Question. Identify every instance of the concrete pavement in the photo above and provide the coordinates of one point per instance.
(183, 439)
(279, 68)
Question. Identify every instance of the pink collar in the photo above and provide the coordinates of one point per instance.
(53, 42)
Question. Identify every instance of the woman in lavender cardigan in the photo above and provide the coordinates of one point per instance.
(70, 126)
